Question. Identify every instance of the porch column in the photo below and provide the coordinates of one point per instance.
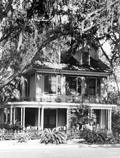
(42, 118)
(6, 120)
(11, 115)
(38, 118)
(56, 117)
(106, 122)
(14, 115)
(109, 121)
(68, 119)
(23, 118)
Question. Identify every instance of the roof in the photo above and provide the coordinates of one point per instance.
(95, 66)
(68, 62)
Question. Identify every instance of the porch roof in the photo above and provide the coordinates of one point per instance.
(63, 105)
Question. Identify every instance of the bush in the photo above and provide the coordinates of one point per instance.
(116, 122)
(16, 126)
(94, 137)
(53, 136)
(99, 137)
(13, 127)
(111, 139)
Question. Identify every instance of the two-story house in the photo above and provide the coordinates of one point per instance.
(52, 90)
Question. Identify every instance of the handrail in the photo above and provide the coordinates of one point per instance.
(68, 99)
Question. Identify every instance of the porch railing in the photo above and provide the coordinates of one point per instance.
(69, 99)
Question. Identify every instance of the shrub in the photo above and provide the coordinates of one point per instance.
(53, 136)
(2, 133)
(13, 127)
(73, 134)
(111, 139)
(116, 122)
(16, 126)
(99, 137)
(94, 137)
(22, 138)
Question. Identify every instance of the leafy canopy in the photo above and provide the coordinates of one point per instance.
(29, 27)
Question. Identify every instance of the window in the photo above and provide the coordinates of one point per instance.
(27, 88)
(93, 86)
(85, 58)
(92, 82)
(73, 85)
(98, 86)
(79, 85)
(50, 84)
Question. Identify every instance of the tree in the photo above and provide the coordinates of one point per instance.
(28, 27)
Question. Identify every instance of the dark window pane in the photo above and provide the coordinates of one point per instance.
(85, 58)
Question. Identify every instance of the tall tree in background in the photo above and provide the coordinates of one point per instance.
(29, 27)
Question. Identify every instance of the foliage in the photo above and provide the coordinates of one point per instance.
(53, 136)
(113, 98)
(73, 134)
(116, 122)
(99, 137)
(111, 139)
(12, 127)
(80, 115)
(28, 29)
(92, 136)
(21, 136)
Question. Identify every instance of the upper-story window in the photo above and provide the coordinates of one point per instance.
(93, 86)
(73, 85)
(27, 87)
(50, 84)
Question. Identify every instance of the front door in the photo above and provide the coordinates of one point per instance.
(50, 118)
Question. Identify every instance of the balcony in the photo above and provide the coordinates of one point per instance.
(68, 99)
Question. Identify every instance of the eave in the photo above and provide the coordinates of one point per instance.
(74, 72)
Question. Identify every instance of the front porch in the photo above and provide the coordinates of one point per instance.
(49, 115)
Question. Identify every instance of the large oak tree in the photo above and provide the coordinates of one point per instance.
(28, 27)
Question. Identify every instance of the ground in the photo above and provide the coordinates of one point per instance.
(33, 149)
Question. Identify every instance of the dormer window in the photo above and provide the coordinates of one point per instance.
(85, 58)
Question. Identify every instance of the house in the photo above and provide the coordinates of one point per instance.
(52, 90)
